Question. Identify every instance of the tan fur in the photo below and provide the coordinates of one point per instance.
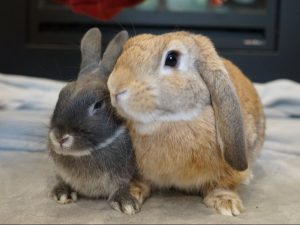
(225, 202)
(140, 189)
(184, 159)
(183, 151)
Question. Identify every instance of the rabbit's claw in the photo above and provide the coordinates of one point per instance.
(225, 202)
(63, 194)
(124, 202)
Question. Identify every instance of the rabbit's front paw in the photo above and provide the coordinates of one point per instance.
(140, 190)
(63, 194)
(225, 202)
(124, 202)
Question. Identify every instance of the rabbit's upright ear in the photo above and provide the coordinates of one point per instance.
(90, 49)
(112, 53)
(226, 104)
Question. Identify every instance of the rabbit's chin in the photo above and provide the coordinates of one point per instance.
(72, 152)
(145, 122)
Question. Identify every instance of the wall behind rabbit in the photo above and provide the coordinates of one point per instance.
(27, 47)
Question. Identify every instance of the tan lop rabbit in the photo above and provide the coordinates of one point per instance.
(196, 121)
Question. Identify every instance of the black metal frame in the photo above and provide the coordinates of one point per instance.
(235, 30)
(42, 40)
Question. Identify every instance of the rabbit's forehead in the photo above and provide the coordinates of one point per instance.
(177, 45)
(159, 42)
(93, 89)
(84, 90)
(149, 49)
(137, 55)
(144, 54)
(90, 81)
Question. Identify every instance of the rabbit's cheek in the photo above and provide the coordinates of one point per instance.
(174, 94)
(140, 103)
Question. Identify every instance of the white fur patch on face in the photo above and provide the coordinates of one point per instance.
(146, 117)
(67, 144)
(147, 124)
(53, 139)
(159, 115)
(181, 116)
(123, 96)
(69, 141)
(83, 152)
(65, 148)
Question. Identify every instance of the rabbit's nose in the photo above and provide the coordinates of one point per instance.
(65, 141)
(116, 97)
(120, 93)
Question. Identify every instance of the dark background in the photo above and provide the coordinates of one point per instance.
(39, 38)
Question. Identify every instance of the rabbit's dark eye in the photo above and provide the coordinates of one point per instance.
(98, 105)
(172, 59)
(93, 109)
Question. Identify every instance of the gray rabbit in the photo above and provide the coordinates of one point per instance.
(88, 141)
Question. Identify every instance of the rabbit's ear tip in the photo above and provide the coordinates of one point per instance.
(93, 34)
(123, 35)
(94, 30)
(124, 32)
(113, 51)
(90, 47)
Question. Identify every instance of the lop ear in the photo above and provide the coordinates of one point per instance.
(90, 49)
(112, 53)
(226, 104)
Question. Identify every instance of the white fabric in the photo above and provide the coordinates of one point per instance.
(19, 92)
(280, 97)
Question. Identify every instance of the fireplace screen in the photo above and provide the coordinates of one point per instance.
(235, 25)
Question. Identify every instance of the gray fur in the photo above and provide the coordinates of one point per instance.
(112, 52)
(90, 48)
(106, 170)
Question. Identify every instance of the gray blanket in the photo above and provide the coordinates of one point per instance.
(26, 171)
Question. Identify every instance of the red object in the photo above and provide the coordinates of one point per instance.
(217, 2)
(100, 9)
(106, 9)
